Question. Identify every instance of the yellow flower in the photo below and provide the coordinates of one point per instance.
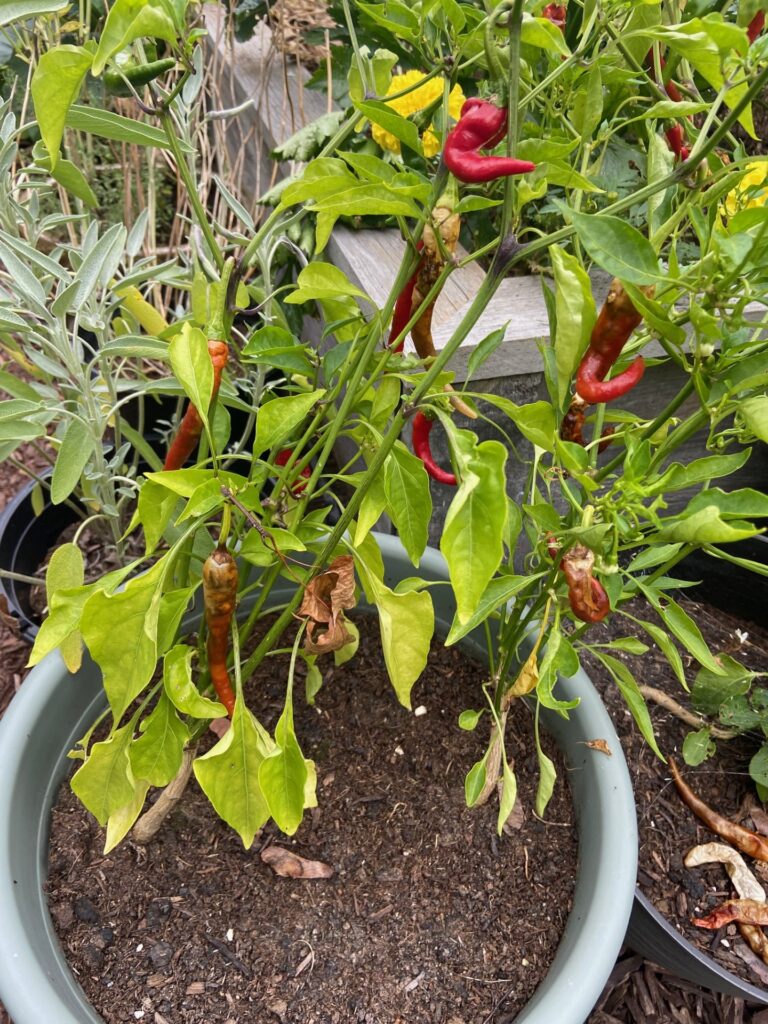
(752, 190)
(419, 98)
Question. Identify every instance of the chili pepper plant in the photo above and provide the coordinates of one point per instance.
(331, 455)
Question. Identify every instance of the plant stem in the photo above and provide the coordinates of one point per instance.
(190, 185)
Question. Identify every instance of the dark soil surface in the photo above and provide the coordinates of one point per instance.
(428, 916)
(667, 828)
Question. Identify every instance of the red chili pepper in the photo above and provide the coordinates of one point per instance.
(756, 26)
(617, 319)
(676, 140)
(586, 596)
(422, 427)
(482, 124)
(404, 306)
(670, 87)
(191, 426)
(220, 580)
(556, 13)
(281, 459)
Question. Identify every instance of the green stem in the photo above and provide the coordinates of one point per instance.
(685, 392)
(190, 185)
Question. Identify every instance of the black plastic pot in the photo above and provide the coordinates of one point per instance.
(25, 540)
(743, 593)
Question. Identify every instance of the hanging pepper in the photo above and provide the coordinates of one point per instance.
(404, 308)
(586, 596)
(572, 427)
(481, 125)
(191, 426)
(556, 13)
(617, 319)
(670, 87)
(220, 580)
(421, 429)
(756, 26)
(676, 141)
(139, 75)
(447, 223)
(281, 459)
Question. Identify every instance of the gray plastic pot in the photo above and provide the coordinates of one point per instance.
(53, 709)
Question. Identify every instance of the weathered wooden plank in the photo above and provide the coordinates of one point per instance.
(371, 259)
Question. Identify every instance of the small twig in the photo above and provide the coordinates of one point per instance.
(689, 717)
(265, 535)
(229, 956)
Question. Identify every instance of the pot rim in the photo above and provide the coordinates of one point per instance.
(37, 984)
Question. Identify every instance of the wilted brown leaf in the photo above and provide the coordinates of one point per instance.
(325, 598)
(600, 745)
(527, 680)
(290, 865)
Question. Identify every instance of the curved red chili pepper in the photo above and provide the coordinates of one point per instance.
(422, 427)
(404, 306)
(617, 319)
(590, 382)
(482, 124)
(756, 26)
(556, 13)
(281, 459)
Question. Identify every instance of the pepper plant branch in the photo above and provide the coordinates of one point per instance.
(191, 187)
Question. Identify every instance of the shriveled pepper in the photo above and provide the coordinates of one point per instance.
(556, 13)
(191, 426)
(482, 125)
(446, 224)
(421, 429)
(220, 581)
(617, 320)
(586, 595)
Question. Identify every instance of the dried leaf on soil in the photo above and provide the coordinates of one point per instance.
(291, 865)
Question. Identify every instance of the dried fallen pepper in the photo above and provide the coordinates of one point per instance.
(421, 429)
(586, 596)
(220, 581)
(191, 427)
(743, 911)
(617, 319)
(748, 842)
(482, 125)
